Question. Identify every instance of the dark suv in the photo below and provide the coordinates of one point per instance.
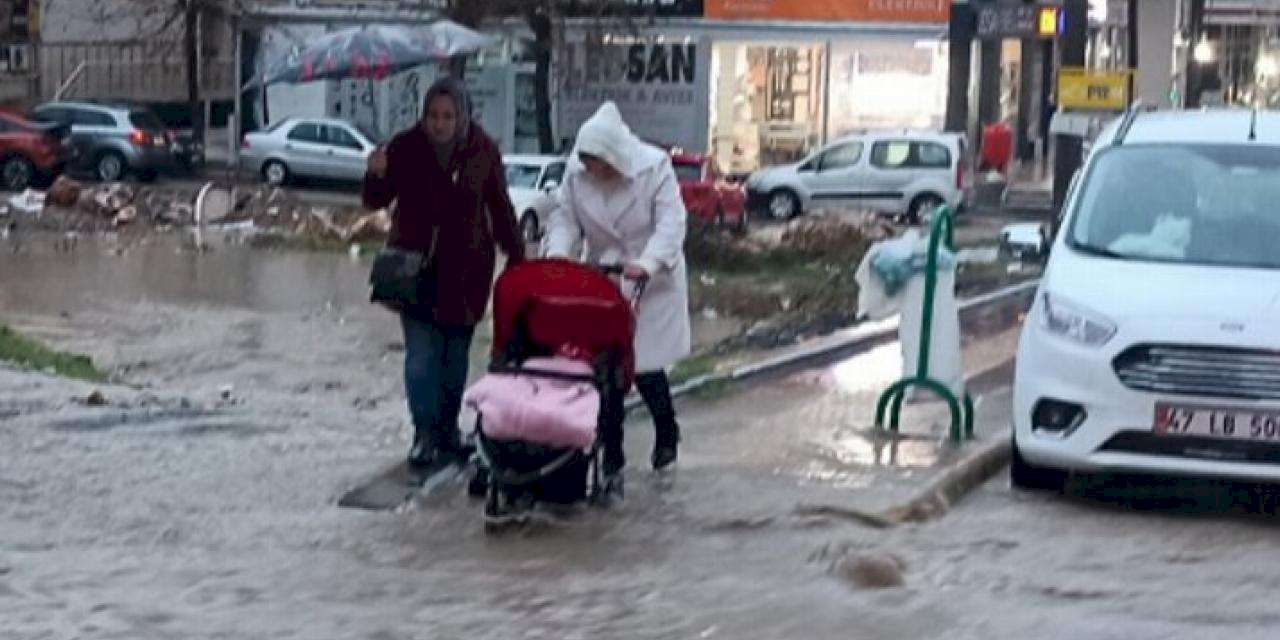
(113, 140)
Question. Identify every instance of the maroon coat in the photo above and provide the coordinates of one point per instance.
(467, 203)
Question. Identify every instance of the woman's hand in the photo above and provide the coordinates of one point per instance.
(377, 164)
(635, 272)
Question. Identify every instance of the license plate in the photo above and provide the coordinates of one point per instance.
(1217, 422)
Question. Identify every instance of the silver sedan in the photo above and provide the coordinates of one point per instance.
(307, 148)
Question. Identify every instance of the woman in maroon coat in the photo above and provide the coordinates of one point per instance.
(447, 180)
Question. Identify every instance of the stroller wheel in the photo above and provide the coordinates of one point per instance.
(479, 484)
(613, 489)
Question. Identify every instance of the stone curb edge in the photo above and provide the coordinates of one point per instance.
(870, 333)
(974, 469)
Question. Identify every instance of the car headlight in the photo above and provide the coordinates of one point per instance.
(1076, 323)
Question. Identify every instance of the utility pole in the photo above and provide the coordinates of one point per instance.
(191, 52)
(960, 51)
(1067, 155)
(1195, 70)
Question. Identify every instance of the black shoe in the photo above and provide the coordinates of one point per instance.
(421, 454)
(663, 457)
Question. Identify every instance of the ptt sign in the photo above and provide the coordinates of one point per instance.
(1086, 90)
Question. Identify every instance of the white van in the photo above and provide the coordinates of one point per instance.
(902, 173)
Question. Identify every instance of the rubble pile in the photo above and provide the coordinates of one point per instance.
(833, 239)
(71, 206)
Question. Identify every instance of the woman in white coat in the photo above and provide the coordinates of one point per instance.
(620, 199)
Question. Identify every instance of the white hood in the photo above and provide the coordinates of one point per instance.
(607, 137)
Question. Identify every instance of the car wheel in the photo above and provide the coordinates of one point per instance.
(784, 204)
(17, 173)
(530, 230)
(1024, 475)
(923, 205)
(110, 167)
(275, 173)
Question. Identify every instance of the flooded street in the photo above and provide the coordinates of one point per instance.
(200, 503)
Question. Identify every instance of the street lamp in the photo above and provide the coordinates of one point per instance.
(1203, 52)
(1266, 67)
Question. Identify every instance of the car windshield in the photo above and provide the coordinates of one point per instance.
(687, 172)
(523, 176)
(1193, 204)
(368, 135)
(146, 121)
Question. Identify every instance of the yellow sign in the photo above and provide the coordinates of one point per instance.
(1047, 22)
(1087, 90)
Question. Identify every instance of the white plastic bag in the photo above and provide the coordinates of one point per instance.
(910, 253)
(29, 201)
(945, 365)
(874, 300)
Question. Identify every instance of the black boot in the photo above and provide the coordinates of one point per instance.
(665, 444)
(421, 453)
(656, 390)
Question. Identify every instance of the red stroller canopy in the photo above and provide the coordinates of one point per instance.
(553, 304)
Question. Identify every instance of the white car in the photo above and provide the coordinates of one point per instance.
(1153, 344)
(531, 184)
(898, 173)
(307, 147)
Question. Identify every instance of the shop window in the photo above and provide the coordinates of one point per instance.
(840, 156)
(902, 154)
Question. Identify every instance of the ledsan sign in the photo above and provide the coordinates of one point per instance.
(660, 86)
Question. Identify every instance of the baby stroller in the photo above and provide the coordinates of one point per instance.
(562, 340)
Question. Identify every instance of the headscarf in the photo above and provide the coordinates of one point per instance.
(607, 137)
(450, 87)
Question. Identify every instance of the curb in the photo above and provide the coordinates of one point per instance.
(936, 498)
(861, 334)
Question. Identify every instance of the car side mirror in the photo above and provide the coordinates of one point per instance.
(550, 185)
(808, 166)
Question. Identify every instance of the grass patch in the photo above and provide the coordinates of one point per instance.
(692, 367)
(30, 354)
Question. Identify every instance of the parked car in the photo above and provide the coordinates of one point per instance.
(901, 173)
(531, 183)
(1152, 344)
(707, 195)
(31, 152)
(113, 139)
(325, 148)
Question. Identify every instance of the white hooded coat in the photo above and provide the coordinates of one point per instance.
(639, 220)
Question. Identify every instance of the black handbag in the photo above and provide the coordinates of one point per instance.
(396, 278)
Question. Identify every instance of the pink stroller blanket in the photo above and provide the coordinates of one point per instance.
(527, 407)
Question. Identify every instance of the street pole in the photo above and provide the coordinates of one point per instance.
(1195, 23)
(233, 126)
(826, 93)
(960, 53)
(1131, 56)
(1067, 155)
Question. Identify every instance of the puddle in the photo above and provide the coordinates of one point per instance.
(186, 422)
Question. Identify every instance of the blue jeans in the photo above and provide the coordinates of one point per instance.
(435, 375)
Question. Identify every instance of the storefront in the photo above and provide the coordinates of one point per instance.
(766, 81)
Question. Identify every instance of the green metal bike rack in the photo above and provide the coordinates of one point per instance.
(892, 398)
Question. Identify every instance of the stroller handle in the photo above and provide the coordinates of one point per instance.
(617, 269)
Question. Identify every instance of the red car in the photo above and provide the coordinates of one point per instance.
(707, 195)
(30, 152)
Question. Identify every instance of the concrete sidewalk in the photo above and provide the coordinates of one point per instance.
(799, 436)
